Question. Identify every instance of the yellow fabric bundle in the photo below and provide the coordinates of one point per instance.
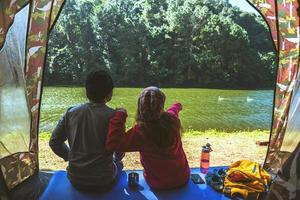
(246, 179)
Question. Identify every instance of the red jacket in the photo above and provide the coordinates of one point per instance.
(163, 169)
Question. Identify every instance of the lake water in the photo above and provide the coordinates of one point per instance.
(203, 108)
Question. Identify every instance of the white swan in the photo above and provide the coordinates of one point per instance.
(220, 98)
(249, 99)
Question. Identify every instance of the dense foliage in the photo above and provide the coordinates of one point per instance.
(169, 43)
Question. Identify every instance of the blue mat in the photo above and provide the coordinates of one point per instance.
(60, 188)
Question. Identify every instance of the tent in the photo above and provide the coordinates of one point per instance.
(24, 29)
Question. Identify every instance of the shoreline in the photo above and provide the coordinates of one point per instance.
(227, 148)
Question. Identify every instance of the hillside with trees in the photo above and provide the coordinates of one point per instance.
(169, 43)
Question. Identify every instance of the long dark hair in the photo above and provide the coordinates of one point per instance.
(159, 126)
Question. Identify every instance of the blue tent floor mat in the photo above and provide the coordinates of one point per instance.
(59, 188)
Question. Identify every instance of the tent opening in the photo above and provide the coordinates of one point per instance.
(219, 61)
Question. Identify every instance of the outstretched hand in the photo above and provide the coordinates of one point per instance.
(179, 105)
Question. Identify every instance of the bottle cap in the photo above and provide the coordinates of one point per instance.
(208, 147)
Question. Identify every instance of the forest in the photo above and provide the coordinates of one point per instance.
(168, 43)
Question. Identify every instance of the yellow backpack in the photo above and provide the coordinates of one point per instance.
(246, 179)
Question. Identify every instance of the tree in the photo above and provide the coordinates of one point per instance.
(169, 43)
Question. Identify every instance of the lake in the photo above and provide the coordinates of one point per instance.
(228, 110)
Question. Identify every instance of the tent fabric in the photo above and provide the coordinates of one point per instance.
(267, 9)
(286, 184)
(15, 123)
(8, 9)
(60, 188)
(292, 135)
(32, 188)
(19, 166)
(57, 7)
(287, 72)
(283, 20)
(36, 52)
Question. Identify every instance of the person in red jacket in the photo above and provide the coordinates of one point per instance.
(156, 135)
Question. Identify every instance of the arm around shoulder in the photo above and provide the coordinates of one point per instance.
(118, 139)
(115, 131)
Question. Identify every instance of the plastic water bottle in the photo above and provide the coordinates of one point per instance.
(205, 156)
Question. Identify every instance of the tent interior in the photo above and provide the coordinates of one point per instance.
(25, 26)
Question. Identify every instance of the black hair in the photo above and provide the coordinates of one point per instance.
(98, 85)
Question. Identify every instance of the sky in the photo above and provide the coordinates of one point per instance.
(243, 5)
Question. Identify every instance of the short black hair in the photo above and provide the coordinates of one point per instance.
(98, 85)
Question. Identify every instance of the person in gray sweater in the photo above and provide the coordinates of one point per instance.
(85, 127)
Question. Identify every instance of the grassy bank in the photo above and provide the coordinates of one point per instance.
(45, 136)
(227, 148)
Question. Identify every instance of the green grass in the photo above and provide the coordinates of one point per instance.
(45, 136)
(203, 109)
(212, 133)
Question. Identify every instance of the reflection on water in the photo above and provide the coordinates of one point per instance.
(14, 120)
